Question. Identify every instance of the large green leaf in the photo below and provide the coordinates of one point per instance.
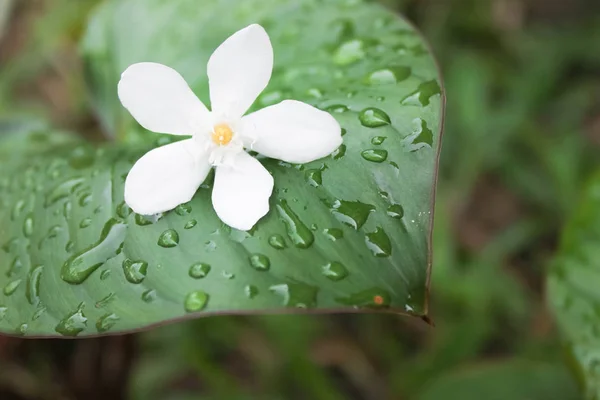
(574, 289)
(346, 232)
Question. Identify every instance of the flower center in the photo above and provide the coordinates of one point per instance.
(222, 134)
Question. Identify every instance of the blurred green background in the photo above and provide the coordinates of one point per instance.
(522, 137)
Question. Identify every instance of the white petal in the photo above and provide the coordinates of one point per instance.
(165, 177)
(241, 192)
(238, 70)
(292, 131)
(160, 99)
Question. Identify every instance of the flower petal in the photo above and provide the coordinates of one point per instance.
(165, 177)
(241, 192)
(238, 70)
(292, 131)
(160, 99)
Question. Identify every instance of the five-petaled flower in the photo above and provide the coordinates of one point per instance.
(238, 71)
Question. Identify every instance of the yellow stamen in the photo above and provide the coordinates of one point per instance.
(222, 134)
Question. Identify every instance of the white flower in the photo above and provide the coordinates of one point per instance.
(238, 71)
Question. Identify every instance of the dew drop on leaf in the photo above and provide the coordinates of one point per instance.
(277, 241)
(377, 140)
(374, 117)
(423, 94)
(106, 322)
(73, 324)
(190, 224)
(199, 270)
(339, 152)
(195, 301)
(375, 155)
(183, 209)
(169, 238)
(333, 234)
(395, 211)
(11, 287)
(32, 289)
(250, 291)
(85, 223)
(297, 231)
(296, 294)
(123, 210)
(81, 265)
(352, 213)
(388, 75)
(149, 296)
(135, 271)
(260, 262)
(379, 243)
(334, 271)
(28, 225)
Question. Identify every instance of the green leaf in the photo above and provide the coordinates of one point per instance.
(346, 232)
(573, 289)
(511, 379)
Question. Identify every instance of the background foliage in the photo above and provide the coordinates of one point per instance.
(522, 139)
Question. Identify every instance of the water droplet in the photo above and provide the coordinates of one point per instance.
(3, 310)
(352, 213)
(298, 233)
(69, 246)
(195, 301)
(17, 209)
(123, 210)
(85, 199)
(38, 312)
(104, 274)
(250, 291)
(199, 270)
(421, 137)
(277, 241)
(210, 246)
(183, 209)
(82, 157)
(333, 234)
(32, 290)
(296, 294)
(339, 152)
(260, 262)
(22, 329)
(67, 210)
(103, 302)
(377, 140)
(337, 108)
(375, 155)
(395, 211)
(422, 96)
(314, 92)
(388, 75)
(190, 224)
(372, 298)
(28, 225)
(11, 287)
(81, 265)
(106, 322)
(15, 267)
(149, 296)
(85, 223)
(169, 238)
(335, 271)
(349, 52)
(374, 118)
(73, 324)
(379, 243)
(227, 275)
(62, 191)
(135, 271)
(142, 220)
(314, 176)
